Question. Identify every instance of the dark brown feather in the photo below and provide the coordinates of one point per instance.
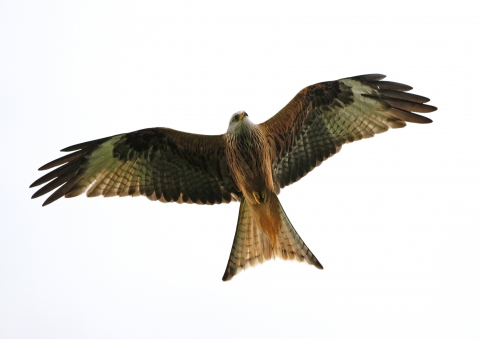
(85, 145)
(409, 116)
(66, 158)
(62, 191)
(63, 178)
(409, 106)
(56, 173)
(370, 77)
(389, 85)
(385, 93)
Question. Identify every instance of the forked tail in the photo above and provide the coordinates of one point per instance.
(264, 232)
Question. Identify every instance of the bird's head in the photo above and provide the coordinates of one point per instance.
(238, 122)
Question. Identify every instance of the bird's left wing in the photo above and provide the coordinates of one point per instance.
(159, 163)
(322, 117)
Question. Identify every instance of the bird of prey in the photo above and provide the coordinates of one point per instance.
(250, 163)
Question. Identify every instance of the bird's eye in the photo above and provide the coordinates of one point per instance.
(237, 117)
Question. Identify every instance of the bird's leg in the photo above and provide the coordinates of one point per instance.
(264, 196)
(256, 196)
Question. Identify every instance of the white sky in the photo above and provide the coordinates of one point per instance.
(393, 219)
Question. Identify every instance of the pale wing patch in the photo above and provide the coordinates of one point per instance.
(100, 164)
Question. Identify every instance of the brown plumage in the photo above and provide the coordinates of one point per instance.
(250, 163)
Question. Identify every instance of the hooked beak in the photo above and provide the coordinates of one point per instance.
(243, 115)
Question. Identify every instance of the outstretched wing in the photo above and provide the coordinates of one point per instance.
(159, 163)
(315, 124)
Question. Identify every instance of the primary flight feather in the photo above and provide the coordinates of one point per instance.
(249, 163)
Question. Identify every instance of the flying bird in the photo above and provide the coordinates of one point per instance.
(250, 163)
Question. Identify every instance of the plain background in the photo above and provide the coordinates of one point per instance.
(393, 219)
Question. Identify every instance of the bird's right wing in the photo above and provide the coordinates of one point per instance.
(159, 163)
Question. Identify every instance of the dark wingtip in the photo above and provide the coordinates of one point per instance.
(54, 163)
(39, 194)
(35, 195)
(390, 85)
(372, 77)
(83, 145)
(37, 182)
(227, 275)
(47, 202)
(70, 148)
(55, 196)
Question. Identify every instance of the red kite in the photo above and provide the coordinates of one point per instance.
(249, 163)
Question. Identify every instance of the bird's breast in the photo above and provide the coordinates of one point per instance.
(251, 167)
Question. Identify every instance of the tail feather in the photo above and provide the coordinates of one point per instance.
(263, 233)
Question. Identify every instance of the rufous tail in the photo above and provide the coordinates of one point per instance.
(263, 233)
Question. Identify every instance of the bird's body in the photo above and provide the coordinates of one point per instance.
(249, 160)
(250, 163)
(263, 230)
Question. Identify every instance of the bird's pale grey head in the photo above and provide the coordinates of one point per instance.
(239, 122)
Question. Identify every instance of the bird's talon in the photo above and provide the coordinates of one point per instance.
(256, 196)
